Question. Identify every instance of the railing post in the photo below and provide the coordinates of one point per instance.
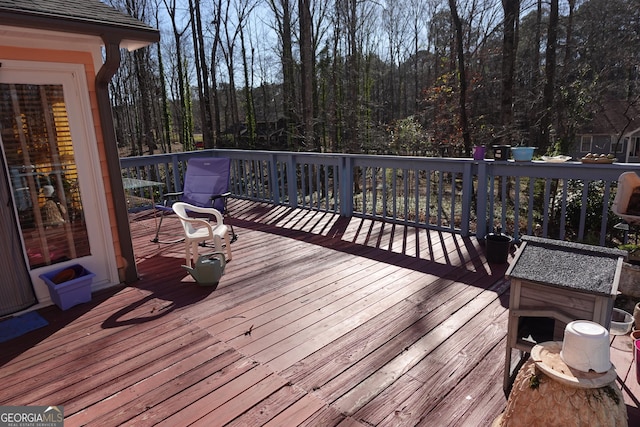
(292, 180)
(346, 186)
(274, 185)
(467, 197)
(177, 178)
(481, 205)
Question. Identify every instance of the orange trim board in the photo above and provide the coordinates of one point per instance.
(48, 55)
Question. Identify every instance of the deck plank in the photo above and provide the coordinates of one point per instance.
(236, 406)
(229, 323)
(479, 392)
(365, 390)
(83, 374)
(269, 407)
(146, 393)
(298, 412)
(317, 317)
(415, 319)
(429, 381)
(290, 307)
(353, 322)
(213, 394)
(136, 371)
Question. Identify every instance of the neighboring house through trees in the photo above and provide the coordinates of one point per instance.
(615, 128)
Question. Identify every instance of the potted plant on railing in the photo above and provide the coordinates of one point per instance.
(633, 252)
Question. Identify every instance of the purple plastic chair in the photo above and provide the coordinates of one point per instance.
(206, 185)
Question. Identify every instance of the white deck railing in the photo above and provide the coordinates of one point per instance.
(566, 201)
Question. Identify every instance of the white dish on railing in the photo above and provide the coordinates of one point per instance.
(556, 159)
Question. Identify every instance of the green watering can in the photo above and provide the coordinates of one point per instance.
(208, 269)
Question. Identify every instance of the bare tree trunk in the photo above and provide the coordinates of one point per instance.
(306, 56)
(462, 76)
(282, 13)
(288, 71)
(416, 62)
(509, 47)
(142, 77)
(550, 70)
(336, 89)
(535, 78)
(352, 70)
(568, 49)
(202, 73)
(214, 79)
(166, 114)
(187, 129)
(185, 140)
(228, 51)
(566, 127)
(249, 108)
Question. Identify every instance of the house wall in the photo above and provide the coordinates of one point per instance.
(592, 143)
(606, 144)
(88, 60)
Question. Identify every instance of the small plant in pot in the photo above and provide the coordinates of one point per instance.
(633, 252)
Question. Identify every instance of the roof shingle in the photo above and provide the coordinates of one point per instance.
(91, 13)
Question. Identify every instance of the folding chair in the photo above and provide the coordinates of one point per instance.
(206, 185)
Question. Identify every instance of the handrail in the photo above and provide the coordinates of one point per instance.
(566, 201)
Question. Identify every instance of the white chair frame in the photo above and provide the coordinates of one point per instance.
(199, 230)
(626, 183)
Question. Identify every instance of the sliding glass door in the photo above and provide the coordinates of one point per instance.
(44, 178)
(43, 171)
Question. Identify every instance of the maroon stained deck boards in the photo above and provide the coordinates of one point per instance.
(319, 320)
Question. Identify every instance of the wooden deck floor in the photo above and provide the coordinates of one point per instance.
(318, 321)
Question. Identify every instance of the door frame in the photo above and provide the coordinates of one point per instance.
(102, 260)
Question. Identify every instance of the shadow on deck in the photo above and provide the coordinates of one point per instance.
(319, 321)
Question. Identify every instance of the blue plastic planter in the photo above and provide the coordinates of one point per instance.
(65, 294)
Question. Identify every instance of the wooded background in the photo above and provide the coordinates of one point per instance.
(408, 77)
